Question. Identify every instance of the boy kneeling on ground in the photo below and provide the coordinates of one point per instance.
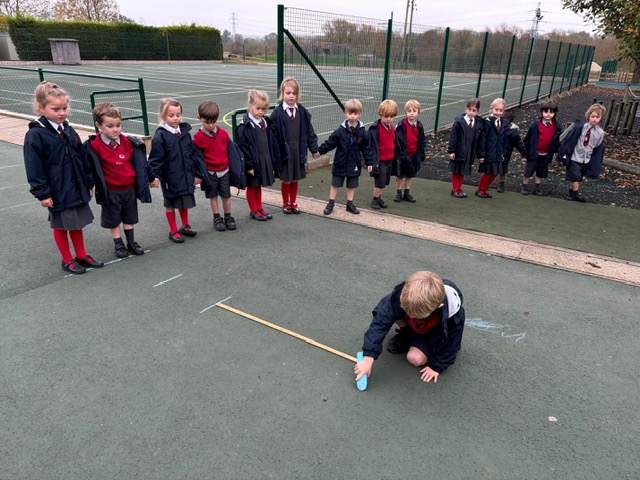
(430, 317)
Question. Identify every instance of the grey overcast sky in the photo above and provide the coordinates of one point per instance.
(259, 17)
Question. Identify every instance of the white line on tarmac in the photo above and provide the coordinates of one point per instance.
(167, 280)
(16, 206)
(215, 304)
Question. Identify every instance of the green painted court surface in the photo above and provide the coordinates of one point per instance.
(131, 371)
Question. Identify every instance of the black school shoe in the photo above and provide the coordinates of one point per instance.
(398, 197)
(351, 208)
(328, 209)
(230, 222)
(74, 267)
(135, 248)
(219, 225)
(89, 262)
(408, 197)
(401, 341)
(121, 250)
(186, 231)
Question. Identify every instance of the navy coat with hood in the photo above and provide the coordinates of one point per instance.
(56, 166)
(350, 148)
(444, 340)
(144, 174)
(308, 137)
(247, 142)
(565, 152)
(457, 144)
(173, 161)
(494, 140)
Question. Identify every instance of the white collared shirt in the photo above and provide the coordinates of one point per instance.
(107, 140)
(257, 121)
(170, 128)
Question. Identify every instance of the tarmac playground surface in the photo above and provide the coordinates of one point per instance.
(133, 371)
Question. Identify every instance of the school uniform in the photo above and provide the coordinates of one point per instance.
(172, 159)
(383, 151)
(409, 161)
(122, 175)
(467, 143)
(541, 141)
(582, 151)
(512, 140)
(440, 342)
(57, 169)
(260, 149)
(351, 146)
(296, 137)
(495, 133)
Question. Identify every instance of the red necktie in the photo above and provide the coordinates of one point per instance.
(177, 133)
(291, 115)
(61, 131)
(498, 124)
(471, 123)
(353, 129)
(587, 136)
(262, 125)
(113, 144)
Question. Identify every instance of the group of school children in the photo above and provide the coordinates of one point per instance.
(63, 172)
(491, 141)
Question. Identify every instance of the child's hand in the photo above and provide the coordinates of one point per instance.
(91, 193)
(427, 374)
(452, 156)
(250, 172)
(316, 155)
(47, 203)
(369, 168)
(481, 160)
(363, 368)
(155, 183)
(198, 181)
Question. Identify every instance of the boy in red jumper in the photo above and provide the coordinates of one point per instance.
(382, 136)
(214, 143)
(122, 176)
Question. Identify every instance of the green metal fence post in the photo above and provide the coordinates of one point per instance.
(544, 63)
(573, 66)
(484, 53)
(143, 106)
(583, 66)
(506, 77)
(555, 69)
(526, 70)
(387, 60)
(442, 69)
(280, 72)
(41, 74)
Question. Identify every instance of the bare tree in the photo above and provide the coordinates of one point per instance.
(89, 10)
(27, 8)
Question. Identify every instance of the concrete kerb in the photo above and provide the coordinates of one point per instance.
(554, 257)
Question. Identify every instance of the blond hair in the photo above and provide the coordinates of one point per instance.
(598, 108)
(295, 86)
(353, 105)
(43, 91)
(106, 109)
(165, 104)
(255, 96)
(498, 101)
(415, 104)
(388, 108)
(422, 294)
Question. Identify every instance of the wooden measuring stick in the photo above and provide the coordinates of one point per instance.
(288, 332)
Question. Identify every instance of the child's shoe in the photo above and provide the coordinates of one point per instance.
(537, 190)
(187, 231)
(229, 222)
(501, 187)
(175, 237)
(398, 197)
(89, 262)
(483, 194)
(287, 210)
(524, 190)
(578, 196)
(264, 213)
(401, 341)
(135, 248)
(294, 209)
(351, 208)
(408, 197)
(121, 250)
(218, 224)
(381, 203)
(73, 266)
(258, 216)
(375, 203)
(329, 208)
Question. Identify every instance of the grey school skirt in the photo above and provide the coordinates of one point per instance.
(74, 218)
(184, 201)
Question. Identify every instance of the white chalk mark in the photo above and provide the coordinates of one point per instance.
(12, 166)
(16, 206)
(166, 281)
(215, 304)
(481, 324)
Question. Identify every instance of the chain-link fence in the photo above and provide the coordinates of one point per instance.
(18, 85)
(337, 57)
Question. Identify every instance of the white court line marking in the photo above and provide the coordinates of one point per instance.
(215, 304)
(12, 166)
(14, 186)
(16, 206)
(166, 281)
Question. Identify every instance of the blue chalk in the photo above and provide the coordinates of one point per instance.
(362, 383)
